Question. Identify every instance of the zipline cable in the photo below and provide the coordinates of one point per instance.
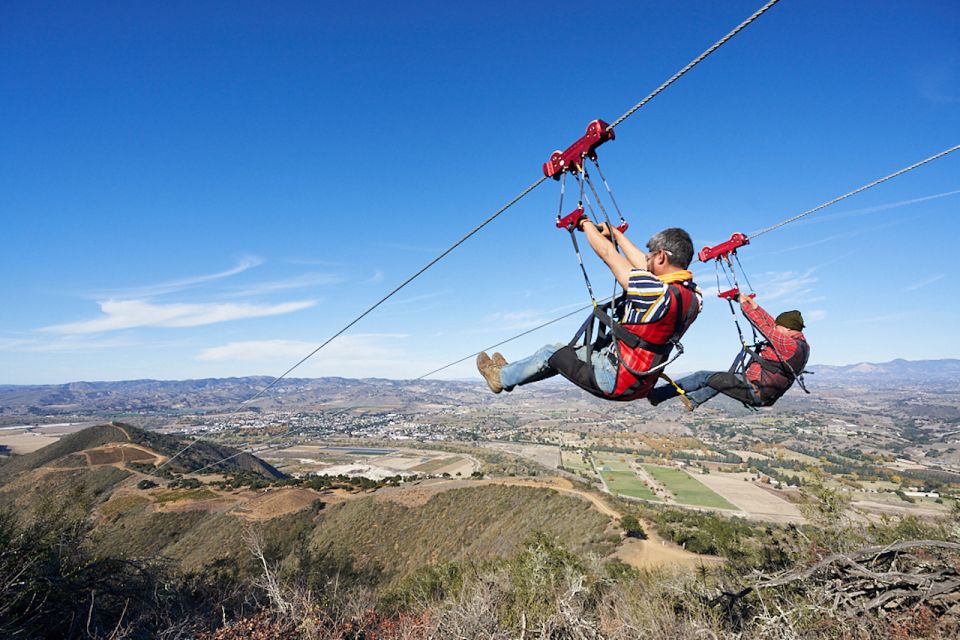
(752, 236)
(493, 346)
(616, 122)
(396, 289)
(519, 335)
(360, 317)
(759, 233)
(679, 74)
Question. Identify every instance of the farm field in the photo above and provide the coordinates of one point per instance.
(574, 462)
(621, 479)
(755, 501)
(789, 454)
(746, 454)
(686, 489)
(441, 465)
(546, 455)
(22, 443)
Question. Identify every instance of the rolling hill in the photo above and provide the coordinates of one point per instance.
(199, 455)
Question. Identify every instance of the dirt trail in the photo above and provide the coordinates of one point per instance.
(641, 554)
(561, 485)
(125, 433)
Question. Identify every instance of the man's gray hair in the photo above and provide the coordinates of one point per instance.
(676, 242)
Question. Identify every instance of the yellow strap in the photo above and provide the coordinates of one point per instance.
(675, 385)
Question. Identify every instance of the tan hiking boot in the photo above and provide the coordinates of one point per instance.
(490, 372)
(687, 402)
(501, 362)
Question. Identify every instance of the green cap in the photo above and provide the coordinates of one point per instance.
(791, 320)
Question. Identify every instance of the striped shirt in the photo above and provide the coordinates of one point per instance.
(647, 301)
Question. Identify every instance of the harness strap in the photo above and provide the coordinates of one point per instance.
(782, 367)
(630, 339)
(767, 365)
(662, 351)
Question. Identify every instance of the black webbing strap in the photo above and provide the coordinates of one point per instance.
(767, 365)
(630, 339)
(784, 368)
(684, 318)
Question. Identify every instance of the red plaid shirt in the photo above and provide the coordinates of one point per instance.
(785, 344)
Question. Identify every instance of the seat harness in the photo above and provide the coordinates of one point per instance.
(790, 369)
(641, 352)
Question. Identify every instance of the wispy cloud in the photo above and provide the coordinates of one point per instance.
(311, 262)
(361, 355)
(128, 314)
(711, 291)
(413, 248)
(68, 343)
(776, 285)
(171, 286)
(363, 346)
(785, 285)
(926, 281)
(303, 281)
(519, 320)
(375, 278)
(13, 344)
(423, 296)
(938, 81)
(863, 211)
(910, 314)
(814, 315)
(845, 236)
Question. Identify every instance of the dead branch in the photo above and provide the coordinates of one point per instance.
(887, 577)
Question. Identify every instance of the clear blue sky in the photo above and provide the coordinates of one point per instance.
(193, 189)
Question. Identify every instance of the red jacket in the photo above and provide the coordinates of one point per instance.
(683, 310)
(771, 384)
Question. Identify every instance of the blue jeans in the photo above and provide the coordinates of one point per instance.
(536, 367)
(697, 385)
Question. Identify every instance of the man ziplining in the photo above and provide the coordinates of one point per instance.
(659, 304)
(769, 373)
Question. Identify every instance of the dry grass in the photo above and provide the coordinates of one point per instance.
(175, 495)
(276, 503)
(122, 503)
(114, 454)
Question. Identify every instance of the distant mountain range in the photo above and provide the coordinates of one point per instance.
(944, 370)
(149, 396)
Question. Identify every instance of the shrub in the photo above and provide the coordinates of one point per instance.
(631, 526)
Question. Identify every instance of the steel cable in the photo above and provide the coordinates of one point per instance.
(753, 235)
(360, 317)
(759, 233)
(516, 337)
(679, 74)
(618, 121)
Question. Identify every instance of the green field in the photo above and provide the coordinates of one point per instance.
(686, 489)
(574, 462)
(621, 479)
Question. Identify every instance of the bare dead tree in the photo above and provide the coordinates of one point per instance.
(269, 582)
(896, 576)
